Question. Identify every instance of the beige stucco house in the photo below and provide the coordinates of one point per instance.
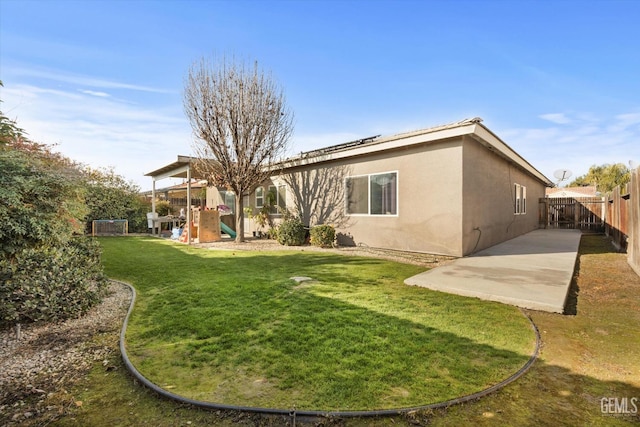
(451, 190)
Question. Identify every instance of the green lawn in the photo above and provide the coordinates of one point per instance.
(231, 327)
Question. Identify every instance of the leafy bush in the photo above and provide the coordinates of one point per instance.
(45, 272)
(323, 235)
(163, 207)
(40, 201)
(52, 283)
(291, 232)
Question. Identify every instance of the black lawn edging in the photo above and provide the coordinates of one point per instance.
(293, 413)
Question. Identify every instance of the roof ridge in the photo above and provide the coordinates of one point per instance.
(378, 138)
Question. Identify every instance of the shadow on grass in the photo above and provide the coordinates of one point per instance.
(322, 354)
(546, 395)
(267, 342)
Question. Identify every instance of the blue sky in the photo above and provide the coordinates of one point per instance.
(559, 81)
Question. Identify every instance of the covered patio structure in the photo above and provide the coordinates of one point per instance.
(183, 167)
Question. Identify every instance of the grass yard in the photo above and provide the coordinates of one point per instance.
(233, 328)
(585, 357)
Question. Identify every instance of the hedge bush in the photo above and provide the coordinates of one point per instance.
(53, 283)
(291, 232)
(323, 236)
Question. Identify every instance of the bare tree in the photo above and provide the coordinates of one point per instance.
(241, 126)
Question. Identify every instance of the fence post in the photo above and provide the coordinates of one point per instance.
(633, 225)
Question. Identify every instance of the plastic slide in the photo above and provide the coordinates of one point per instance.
(226, 229)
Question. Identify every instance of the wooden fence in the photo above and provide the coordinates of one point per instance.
(618, 215)
(585, 213)
(617, 219)
(623, 219)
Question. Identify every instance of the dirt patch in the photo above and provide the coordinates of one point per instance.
(37, 371)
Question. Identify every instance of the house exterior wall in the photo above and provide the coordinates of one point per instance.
(429, 215)
(455, 196)
(488, 203)
(249, 203)
(454, 186)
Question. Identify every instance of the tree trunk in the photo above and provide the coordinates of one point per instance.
(239, 218)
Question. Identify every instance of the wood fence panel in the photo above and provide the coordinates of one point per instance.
(585, 214)
(614, 226)
(633, 221)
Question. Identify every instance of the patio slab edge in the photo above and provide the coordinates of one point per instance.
(532, 271)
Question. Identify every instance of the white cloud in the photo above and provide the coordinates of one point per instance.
(101, 131)
(80, 80)
(578, 144)
(625, 121)
(96, 93)
(558, 118)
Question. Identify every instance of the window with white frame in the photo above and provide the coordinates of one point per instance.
(259, 197)
(228, 199)
(375, 194)
(520, 199)
(278, 196)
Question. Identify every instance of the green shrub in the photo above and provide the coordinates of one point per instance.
(109, 196)
(163, 208)
(46, 273)
(52, 283)
(323, 236)
(291, 232)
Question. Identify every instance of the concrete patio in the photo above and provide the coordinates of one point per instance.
(531, 271)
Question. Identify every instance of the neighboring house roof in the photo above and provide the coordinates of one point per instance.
(575, 192)
(184, 185)
(468, 127)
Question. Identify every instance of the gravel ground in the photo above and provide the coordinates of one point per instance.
(37, 370)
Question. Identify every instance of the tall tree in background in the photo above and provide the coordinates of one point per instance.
(241, 125)
(605, 177)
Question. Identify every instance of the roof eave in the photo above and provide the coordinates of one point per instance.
(490, 140)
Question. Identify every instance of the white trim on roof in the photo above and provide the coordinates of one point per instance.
(469, 127)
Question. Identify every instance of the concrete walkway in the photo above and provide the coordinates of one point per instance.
(531, 271)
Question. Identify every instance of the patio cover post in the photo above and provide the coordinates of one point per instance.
(189, 204)
(153, 196)
(153, 207)
(178, 169)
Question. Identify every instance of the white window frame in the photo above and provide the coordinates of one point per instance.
(260, 204)
(346, 197)
(519, 199)
(281, 197)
